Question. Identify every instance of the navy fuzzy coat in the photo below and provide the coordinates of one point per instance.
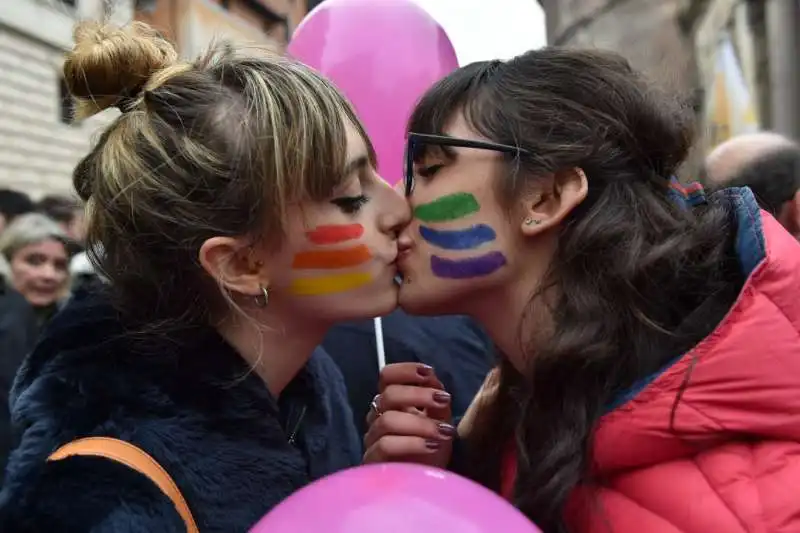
(188, 400)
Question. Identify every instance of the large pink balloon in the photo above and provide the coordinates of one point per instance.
(383, 54)
(394, 498)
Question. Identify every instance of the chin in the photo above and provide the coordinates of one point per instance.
(415, 300)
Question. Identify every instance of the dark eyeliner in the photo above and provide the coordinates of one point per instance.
(350, 204)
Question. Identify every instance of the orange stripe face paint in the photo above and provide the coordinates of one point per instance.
(335, 234)
(332, 259)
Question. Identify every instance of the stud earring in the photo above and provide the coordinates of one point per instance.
(532, 221)
(262, 299)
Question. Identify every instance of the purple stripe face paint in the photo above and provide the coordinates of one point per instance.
(459, 239)
(470, 267)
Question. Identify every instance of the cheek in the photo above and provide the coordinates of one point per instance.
(331, 260)
(462, 242)
(22, 271)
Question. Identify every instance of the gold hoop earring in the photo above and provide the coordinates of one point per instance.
(262, 299)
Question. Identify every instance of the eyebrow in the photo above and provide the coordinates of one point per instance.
(356, 164)
(448, 152)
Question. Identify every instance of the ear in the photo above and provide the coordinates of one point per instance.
(552, 200)
(235, 264)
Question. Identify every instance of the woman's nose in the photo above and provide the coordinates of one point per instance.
(49, 272)
(396, 215)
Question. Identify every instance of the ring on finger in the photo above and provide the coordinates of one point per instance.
(374, 407)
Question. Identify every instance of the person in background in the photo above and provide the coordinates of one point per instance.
(18, 334)
(455, 346)
(13, 204)
(766, 162)
(33, 282)
(36, 250)
(68, 212)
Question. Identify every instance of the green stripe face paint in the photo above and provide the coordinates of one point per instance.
(447, 208)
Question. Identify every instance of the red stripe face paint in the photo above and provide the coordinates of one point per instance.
(335, 234)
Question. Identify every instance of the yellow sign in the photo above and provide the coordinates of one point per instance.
(731, 109)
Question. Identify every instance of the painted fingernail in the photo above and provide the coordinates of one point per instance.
(424, 371)
(441, 397)
(446, 430)
(433, 444)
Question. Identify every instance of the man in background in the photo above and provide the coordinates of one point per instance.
(13, 204)
(769, 164)
(68, 213)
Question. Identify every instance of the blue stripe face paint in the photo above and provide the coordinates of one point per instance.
(462, 239)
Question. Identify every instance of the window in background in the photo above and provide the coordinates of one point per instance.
(67, 105)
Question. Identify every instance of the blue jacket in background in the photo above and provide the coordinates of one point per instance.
(455, 346)
(189, 401)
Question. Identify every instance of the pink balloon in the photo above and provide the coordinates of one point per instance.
(383, 55)
(394, 498)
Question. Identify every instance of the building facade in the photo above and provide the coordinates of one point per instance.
(39, 142)
(193, 24)
(737, 59)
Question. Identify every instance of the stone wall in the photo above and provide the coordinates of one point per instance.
(38, 146)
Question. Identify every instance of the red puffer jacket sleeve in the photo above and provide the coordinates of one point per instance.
(735, 488)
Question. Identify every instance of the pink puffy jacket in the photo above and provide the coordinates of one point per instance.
(732, 463)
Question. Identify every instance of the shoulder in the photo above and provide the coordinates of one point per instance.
(85, 494)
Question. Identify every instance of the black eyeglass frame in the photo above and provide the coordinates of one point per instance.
(416, 139)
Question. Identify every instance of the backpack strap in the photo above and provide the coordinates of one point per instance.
(134, 458)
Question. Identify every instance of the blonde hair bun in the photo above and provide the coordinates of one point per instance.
(109, 63)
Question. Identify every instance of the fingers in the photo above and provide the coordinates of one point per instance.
(408, 424)
(402, 397)
(397, 448)
(408, 374)
(397, 435)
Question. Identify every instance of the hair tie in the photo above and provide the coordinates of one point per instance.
(126, 104)
(689, 195)
(129, 99)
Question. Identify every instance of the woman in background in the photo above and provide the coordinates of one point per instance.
(235, 212)
(36, 250)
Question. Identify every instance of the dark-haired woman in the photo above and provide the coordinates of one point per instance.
(650, 375)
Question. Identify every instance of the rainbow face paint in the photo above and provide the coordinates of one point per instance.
(324, 285)
(324, 258)
(332, 259)
(447, 208)
(470, 267)
(461, 239)
(335, 234)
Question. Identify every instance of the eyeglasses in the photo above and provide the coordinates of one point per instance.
(416, 141)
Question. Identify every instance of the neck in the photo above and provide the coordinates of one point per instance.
(509, 318)
(275, 347)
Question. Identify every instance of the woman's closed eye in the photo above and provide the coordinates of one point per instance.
(350, 204)
(429, 171)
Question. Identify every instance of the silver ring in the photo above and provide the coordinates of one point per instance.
(373, 406)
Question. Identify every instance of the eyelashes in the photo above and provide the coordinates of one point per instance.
(429, 171)
(350, 204)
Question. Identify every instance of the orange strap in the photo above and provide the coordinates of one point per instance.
(134, 458)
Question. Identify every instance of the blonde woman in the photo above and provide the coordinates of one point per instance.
(35, 248)
(240, 215)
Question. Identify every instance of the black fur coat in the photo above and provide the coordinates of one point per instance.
(186, 399)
